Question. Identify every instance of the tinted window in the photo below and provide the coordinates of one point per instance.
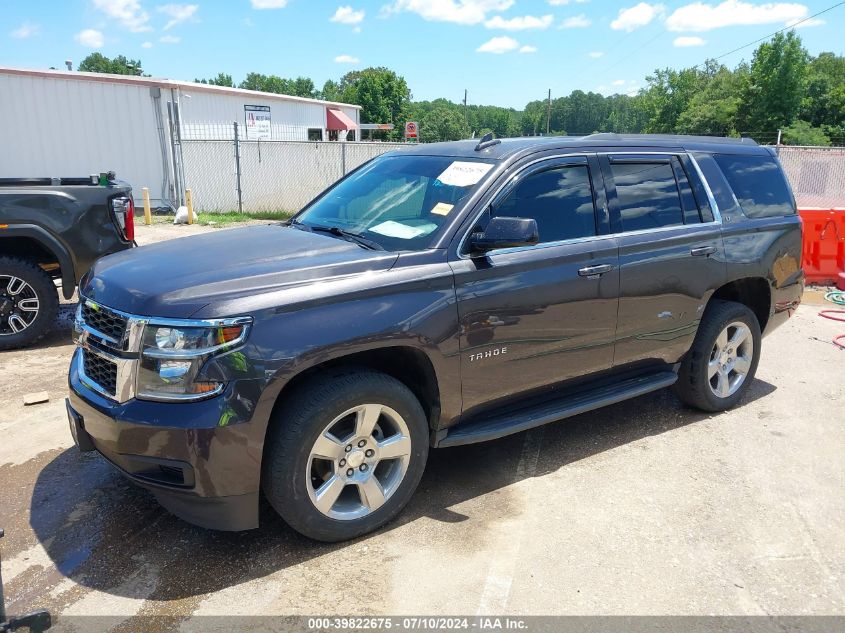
(647, 195)
(691, 215)
(758, 184)
(560, 200)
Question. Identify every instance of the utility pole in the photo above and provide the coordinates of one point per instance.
(549, 113)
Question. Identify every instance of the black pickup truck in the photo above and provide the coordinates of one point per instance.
(54, 228)
(446, 294)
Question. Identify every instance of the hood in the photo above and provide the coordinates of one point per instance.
(176, 278)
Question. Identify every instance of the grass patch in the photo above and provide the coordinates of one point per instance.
(234, 217)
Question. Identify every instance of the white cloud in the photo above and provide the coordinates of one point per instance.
(169, 39)
(635, 17)
(699, 17)
(806, 23)
(576, 22)
(269, 4)
(596, 54)
(25, 30)
(347, 15)
(178, 13)
(346, 59)
(498, 45)
(687, 41)
(147, 45)
(563, 3)
(457, 11)
(92, 38)
(618, 82)
(528, 49)
(519, 23)
(128, 13)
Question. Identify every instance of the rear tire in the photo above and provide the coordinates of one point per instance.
(28, 302)
(344, 454)
(723, 359)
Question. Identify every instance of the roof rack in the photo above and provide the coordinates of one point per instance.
(721, 140)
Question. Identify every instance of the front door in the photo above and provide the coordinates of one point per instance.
(536, 316)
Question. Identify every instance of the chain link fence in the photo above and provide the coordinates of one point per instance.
(817, 175)
(225, 174)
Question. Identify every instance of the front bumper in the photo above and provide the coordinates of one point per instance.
(201, 460)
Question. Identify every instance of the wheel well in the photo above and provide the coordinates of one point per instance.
(753, 292)
(31, 250)
(408, 365)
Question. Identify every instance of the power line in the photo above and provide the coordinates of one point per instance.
(786, 28)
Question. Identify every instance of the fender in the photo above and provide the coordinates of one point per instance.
(52, 244)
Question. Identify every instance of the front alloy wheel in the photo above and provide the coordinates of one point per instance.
(344, 453)
(358, 462)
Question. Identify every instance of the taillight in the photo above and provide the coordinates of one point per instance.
(123, 208)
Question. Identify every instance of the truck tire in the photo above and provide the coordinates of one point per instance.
(344, 454)
(28, 302)
(723, 359)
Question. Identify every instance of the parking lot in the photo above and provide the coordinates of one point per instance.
(641, 508)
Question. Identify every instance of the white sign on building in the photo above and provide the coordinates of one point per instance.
(257, 122)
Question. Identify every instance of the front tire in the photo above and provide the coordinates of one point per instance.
(28, 302)
(722, 361)
(344, 454)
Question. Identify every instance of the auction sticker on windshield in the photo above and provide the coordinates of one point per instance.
(442, 208)
(403, 231)
(463, 173)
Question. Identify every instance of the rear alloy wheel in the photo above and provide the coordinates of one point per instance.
(28, 302)
(344, 453)
(722, 361)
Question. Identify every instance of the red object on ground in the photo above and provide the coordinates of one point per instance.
(840, 282)
(823, 252)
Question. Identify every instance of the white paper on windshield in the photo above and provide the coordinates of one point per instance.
(402, 231)
(463, 173)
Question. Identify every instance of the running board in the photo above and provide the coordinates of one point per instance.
(526, 418)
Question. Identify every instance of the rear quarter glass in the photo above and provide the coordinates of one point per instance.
(758, 183)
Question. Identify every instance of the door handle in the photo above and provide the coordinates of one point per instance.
(702, 251)
(599, 269)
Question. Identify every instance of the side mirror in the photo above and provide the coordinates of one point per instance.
(504, 232)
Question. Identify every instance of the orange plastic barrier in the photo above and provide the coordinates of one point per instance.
(824, 244)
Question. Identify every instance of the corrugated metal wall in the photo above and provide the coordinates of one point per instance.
(60, 127)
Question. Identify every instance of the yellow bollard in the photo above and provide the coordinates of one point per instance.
(148, 216)
(189, 202)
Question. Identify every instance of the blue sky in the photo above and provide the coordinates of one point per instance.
(504, 52)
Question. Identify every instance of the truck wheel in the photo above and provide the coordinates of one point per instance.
(344, 455)
(723, 359)
(28, 302)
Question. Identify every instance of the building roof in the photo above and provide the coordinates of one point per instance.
(163, 83)
(508, 147)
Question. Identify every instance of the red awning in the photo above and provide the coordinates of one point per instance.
(337, 120)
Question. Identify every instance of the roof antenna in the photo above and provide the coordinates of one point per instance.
(487, 141)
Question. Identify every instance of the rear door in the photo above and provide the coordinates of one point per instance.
(535, 316)
(671, 256)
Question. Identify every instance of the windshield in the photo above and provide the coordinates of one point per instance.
(397, 202)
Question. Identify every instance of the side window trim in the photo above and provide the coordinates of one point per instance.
(615, 220)
(682, 182)
(537, 166)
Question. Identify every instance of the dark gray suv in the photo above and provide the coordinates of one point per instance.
(447, 294)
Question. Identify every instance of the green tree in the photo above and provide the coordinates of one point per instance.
(713, 109)
(804, 133)
(773, 94)
(299, 87)
(383, 95)
(222, 79)
(442, 123)
(120, 65)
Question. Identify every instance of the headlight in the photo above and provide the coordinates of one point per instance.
(172, 356)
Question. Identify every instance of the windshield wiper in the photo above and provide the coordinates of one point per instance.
(349, 236)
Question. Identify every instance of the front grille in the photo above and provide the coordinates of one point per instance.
(104, 320)
(101, 371)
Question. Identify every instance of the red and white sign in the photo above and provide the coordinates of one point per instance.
(411, 129)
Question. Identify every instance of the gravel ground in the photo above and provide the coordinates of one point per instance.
(642, 508)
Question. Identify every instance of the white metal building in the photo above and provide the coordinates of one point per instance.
(63, 123)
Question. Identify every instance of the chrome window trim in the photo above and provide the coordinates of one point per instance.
(717, 216)
(128, 351)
